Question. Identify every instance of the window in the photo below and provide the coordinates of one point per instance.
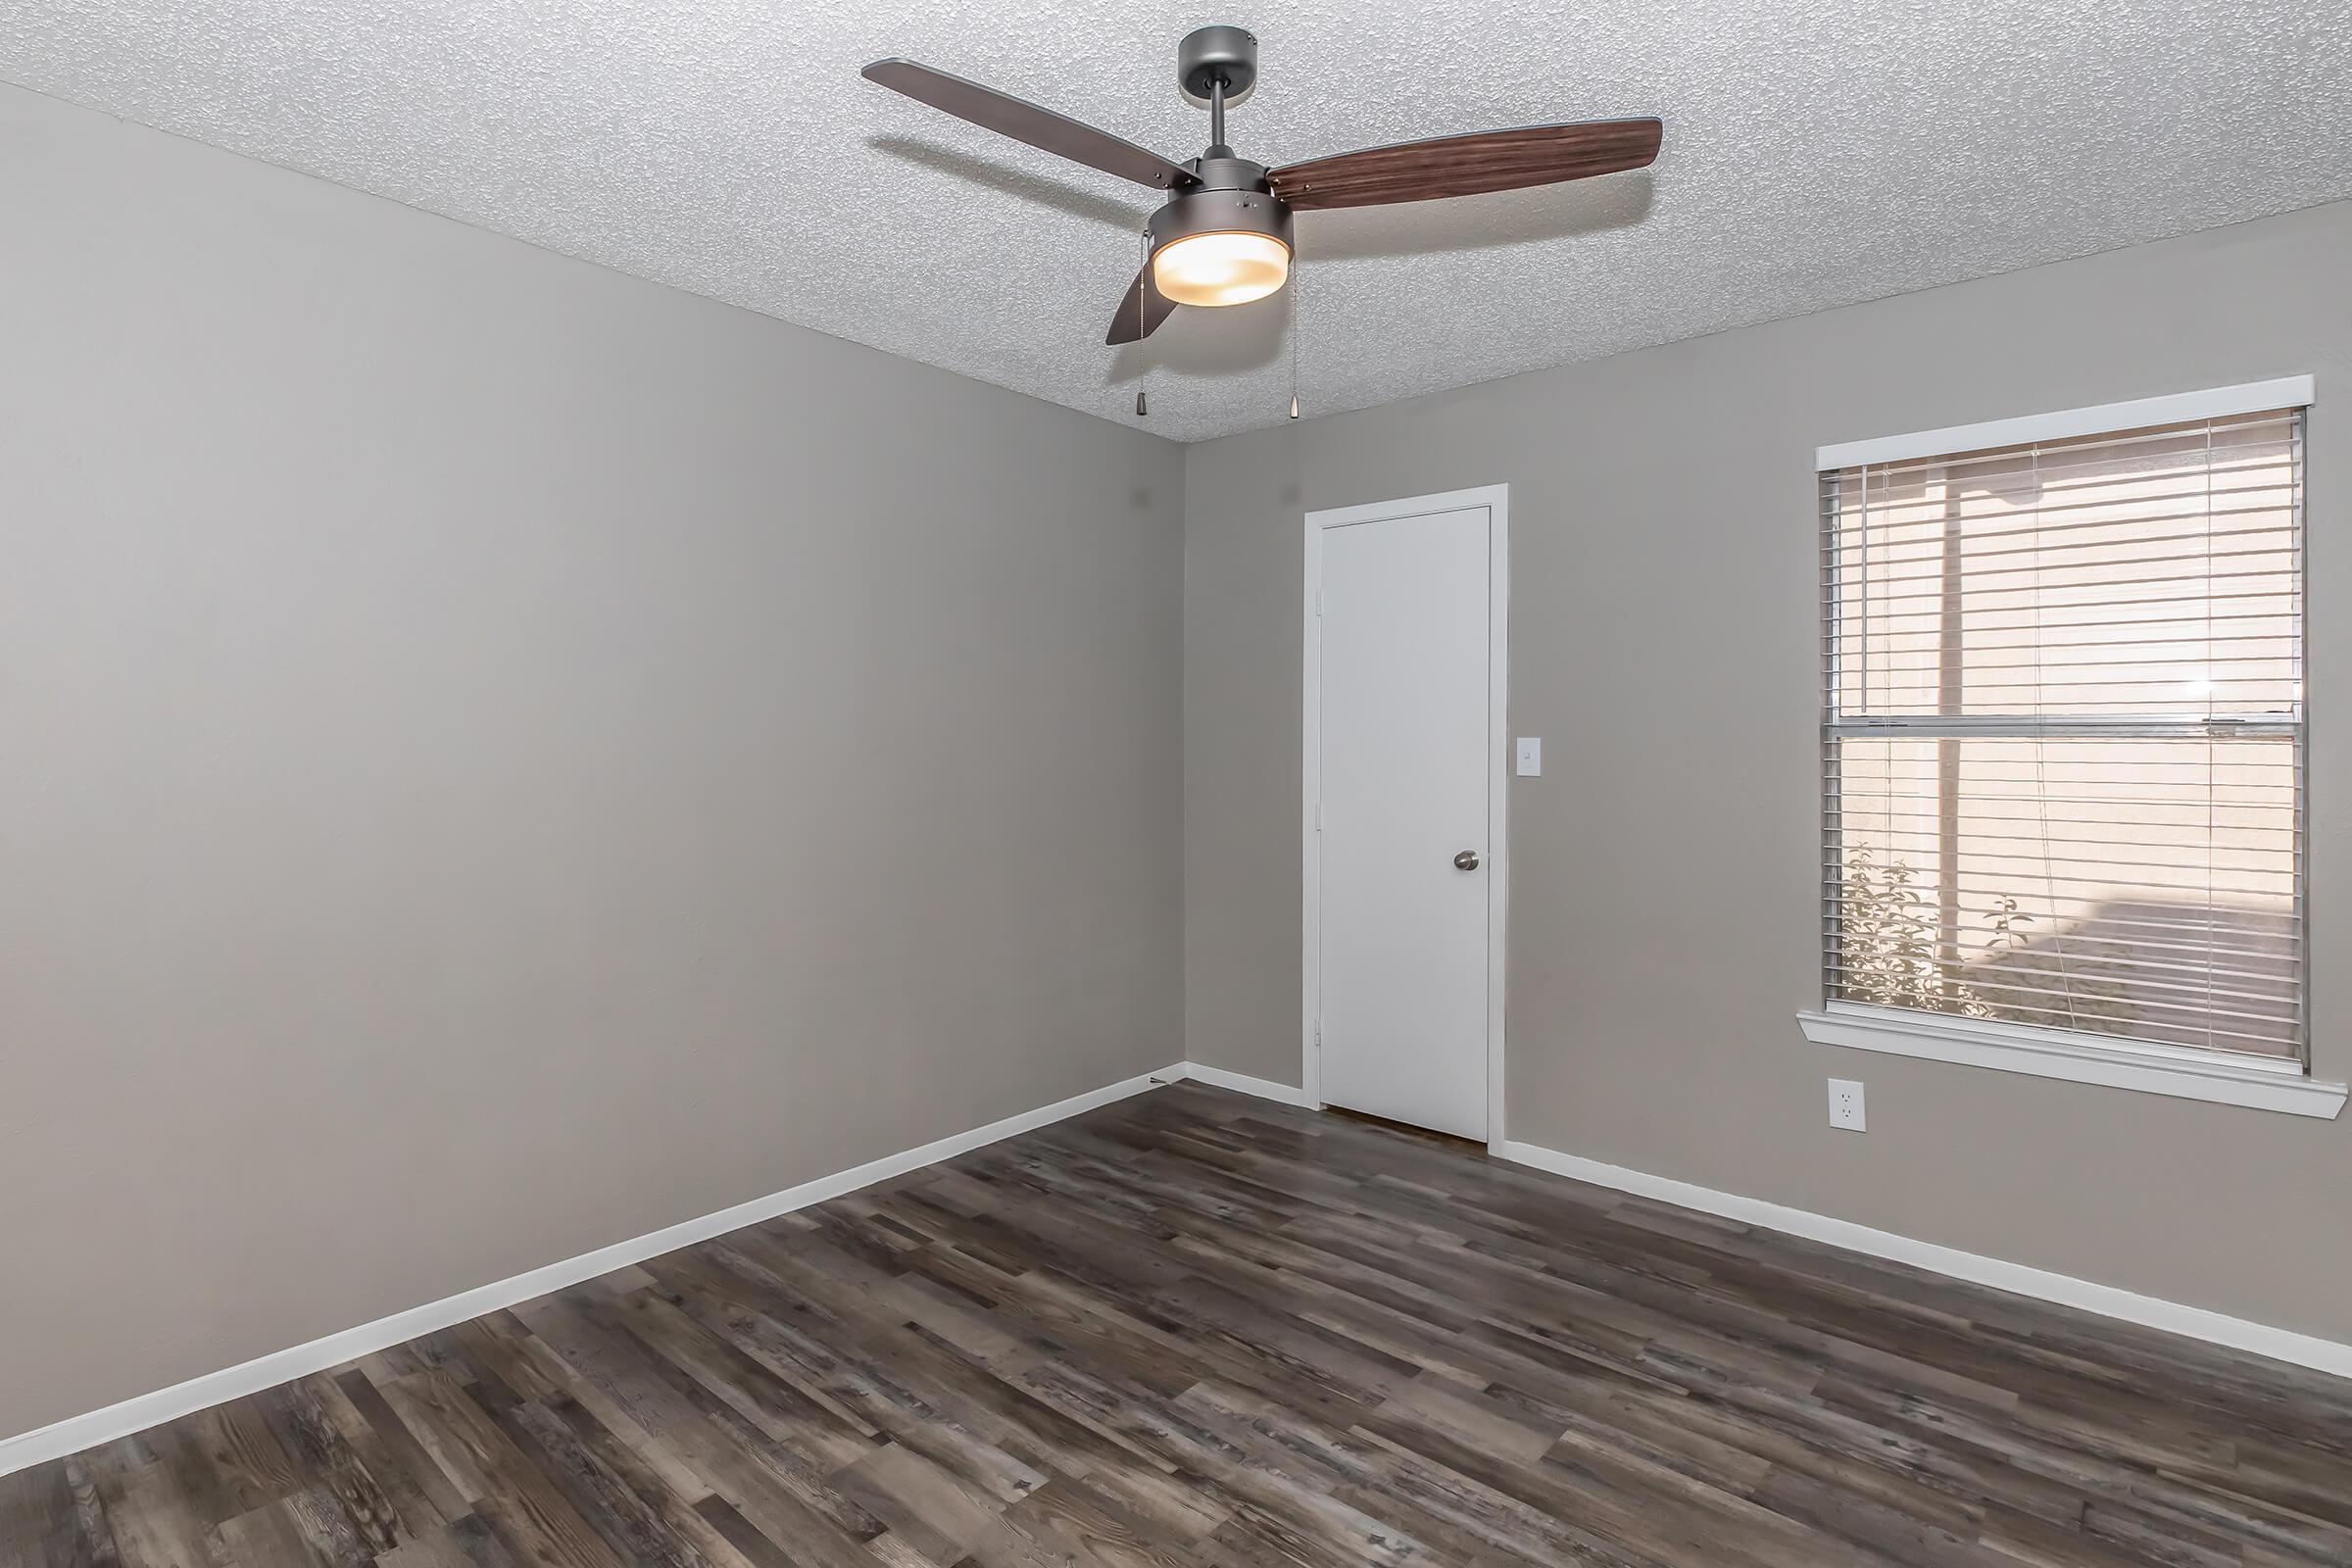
(2063, 728)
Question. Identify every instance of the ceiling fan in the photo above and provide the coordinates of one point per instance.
(1224, 238)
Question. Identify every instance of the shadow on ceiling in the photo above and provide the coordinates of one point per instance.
(1061, 196)
(1476, 223)
(1219, 342)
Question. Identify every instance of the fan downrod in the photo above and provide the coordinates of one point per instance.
(1209, 53)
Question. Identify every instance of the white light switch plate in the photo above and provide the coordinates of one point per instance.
(1845, 1105)
(1531, 757)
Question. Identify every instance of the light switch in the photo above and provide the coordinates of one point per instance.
(1531, 757)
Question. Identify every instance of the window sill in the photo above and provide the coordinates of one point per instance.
(2082, 1058)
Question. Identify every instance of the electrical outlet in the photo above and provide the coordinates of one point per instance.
(1845, 1105)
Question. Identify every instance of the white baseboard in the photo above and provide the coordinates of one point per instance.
(77, 1433)
(2195, 1322)
(1242, 1084)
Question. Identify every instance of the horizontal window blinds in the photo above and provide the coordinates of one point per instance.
(2063, 740)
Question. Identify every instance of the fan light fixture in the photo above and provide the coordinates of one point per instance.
(1225, 268)
(1222, 241)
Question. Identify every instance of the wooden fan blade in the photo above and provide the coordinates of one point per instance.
(1140, 312)
(1469, 165)
(1022, 121)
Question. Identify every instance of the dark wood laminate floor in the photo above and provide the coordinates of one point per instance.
(1195, 1328)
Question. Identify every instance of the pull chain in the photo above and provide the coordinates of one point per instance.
(1143, 281)
(1294, 342)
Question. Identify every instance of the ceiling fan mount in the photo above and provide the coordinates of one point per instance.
(1224, 236)
(1213, 57)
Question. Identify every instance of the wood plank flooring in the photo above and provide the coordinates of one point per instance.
(1194, 1328)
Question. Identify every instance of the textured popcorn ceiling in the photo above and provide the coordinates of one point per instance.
(1818, 152)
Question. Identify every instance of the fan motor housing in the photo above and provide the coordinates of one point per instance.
(1232, 198)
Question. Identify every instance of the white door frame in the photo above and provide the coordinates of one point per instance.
(1495, 497)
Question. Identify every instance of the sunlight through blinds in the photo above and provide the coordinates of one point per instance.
(2063, 739)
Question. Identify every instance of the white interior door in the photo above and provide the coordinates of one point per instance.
(1404, 853)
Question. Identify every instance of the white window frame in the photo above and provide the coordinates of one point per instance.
(2076, 1055)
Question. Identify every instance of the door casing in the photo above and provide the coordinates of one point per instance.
(1496, 499)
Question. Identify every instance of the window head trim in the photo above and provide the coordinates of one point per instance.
(2213, 403)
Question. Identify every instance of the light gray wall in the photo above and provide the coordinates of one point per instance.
(496, 757)
(1664, 644)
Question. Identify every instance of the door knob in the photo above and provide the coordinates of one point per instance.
(1467, 861)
